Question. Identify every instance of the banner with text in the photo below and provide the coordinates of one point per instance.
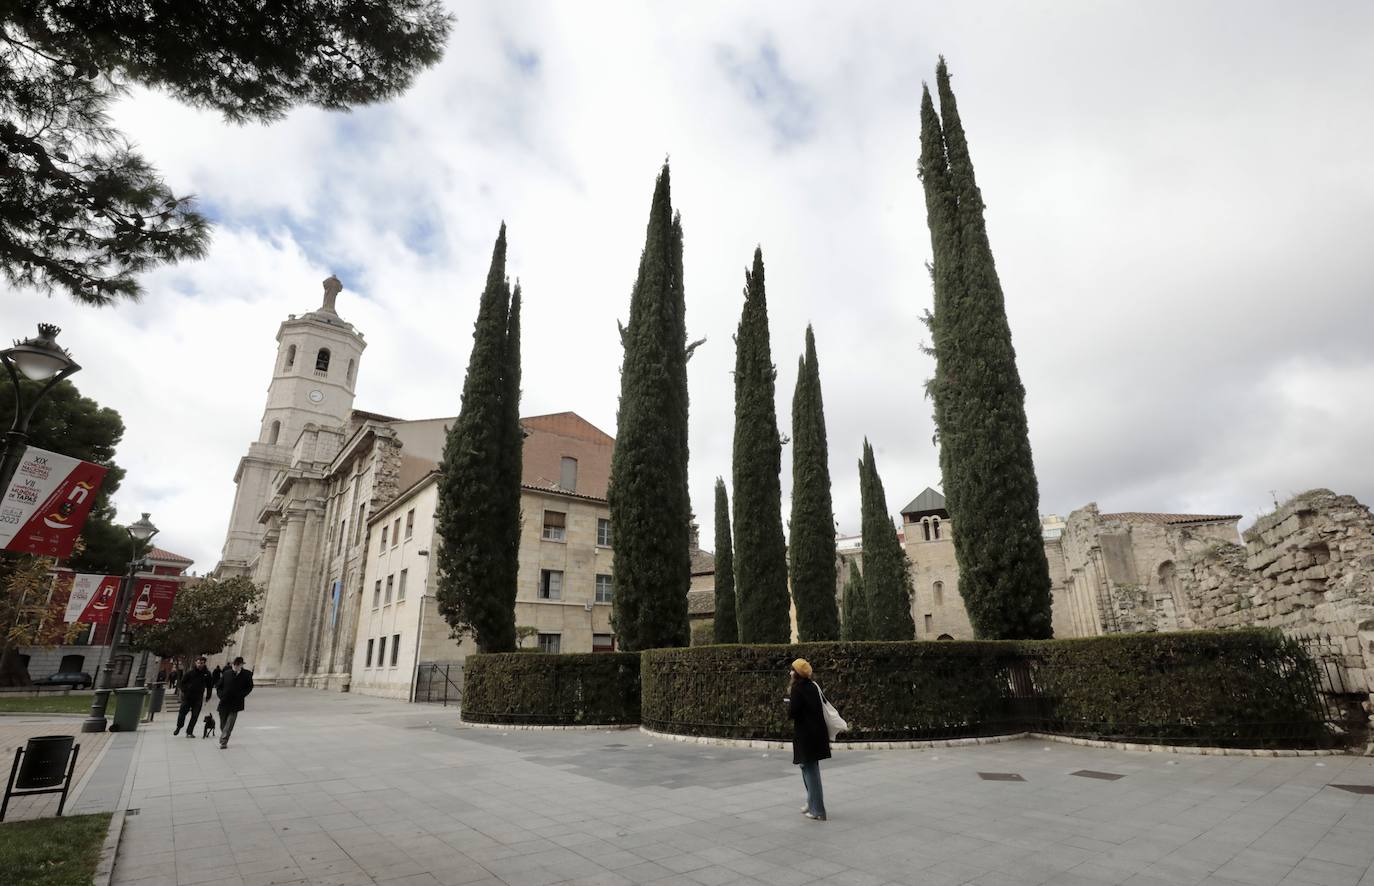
(152, 600)
(93, 599)
(46, 503)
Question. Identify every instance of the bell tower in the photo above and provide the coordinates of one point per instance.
(313, 381)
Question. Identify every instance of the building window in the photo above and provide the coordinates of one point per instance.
(322, 362)
(343, 533)
(935, 528)
(395, 648)
(401, 588)
(383, 547)
(939, 590)
(396, 532)
(603, 589)
(276, 432)
(370, 644)
(377, 595)
(555, 525)
(381, 652)
(358, 527)
(410, 523)
(930, 622)
(603, 532)
(550, 584)
(351, 364)
(567, 475)
(925, 528)
(390, 581)
(603, 642)
(549, 643)
(290, 357)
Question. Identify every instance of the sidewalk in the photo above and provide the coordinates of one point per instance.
(341, 790)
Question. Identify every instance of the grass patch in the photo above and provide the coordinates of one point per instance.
(51, 704)
(52, 851)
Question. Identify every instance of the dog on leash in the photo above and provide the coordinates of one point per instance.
(209, 726)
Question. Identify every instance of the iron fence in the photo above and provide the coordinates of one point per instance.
(438, 682)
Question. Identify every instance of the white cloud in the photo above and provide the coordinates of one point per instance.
(1178, 201)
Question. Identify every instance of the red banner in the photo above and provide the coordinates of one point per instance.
(46, 503)
(152, 601)
(93, 598)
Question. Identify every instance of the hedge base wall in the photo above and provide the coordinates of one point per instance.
(539, 689)
(1241, 688)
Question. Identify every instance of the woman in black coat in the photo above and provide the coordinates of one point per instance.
(810, 737)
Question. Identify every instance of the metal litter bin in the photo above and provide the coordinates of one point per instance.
(128, 708)
(155, 705)
(45, 762)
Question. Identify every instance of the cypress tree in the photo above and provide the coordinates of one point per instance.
(726, 618)
(985, 455)
(760, 551)
(855, 625)
(811, 554)
(478, 513)
(649, 502)
(887, 577)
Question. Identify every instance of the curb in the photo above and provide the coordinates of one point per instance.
(1185, 749)
(526, 727)
(104, 869)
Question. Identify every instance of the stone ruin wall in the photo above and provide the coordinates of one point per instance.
(1308, 568)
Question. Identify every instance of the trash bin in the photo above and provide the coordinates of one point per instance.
(155, 706)
(128, 708)
(45, 762)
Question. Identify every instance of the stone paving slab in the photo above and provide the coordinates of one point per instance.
(340, 790)
(16, 730)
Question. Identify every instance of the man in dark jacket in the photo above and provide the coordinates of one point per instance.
(234, 685)
(195, 692)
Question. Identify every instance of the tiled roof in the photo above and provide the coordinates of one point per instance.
(701, 603)
(703, 562)
(555, 489)
(1170, 519)
(168, 557)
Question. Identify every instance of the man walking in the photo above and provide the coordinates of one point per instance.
(195, 691)
(234, 685)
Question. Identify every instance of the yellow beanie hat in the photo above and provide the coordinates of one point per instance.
(803, 667)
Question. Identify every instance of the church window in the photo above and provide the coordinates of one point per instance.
(925, 528)
(929, 623)
(939, 591)
(276, 432)
(935, 528)
(358, 527)
(322, 361)
(370, 645)
(290, 357)
(567, 478)
(351, 364)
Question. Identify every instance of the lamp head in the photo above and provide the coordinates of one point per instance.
(40, 358)
(143, 530)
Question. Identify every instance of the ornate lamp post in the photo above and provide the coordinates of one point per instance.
(37, 359)
(139, 532)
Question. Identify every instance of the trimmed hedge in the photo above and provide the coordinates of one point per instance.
(547, 689)
(1241, 688)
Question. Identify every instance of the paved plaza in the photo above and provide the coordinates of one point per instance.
(343, 790)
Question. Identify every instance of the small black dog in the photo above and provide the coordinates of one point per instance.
(209, 726)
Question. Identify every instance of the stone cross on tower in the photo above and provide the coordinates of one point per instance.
(332, 288)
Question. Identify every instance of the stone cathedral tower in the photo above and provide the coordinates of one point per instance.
(312, 383)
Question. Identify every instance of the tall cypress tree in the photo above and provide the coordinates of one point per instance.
(985, 455)
(478, 513)
(811, 554)
(726, 618)
(855, 625)
(887, 577)
(760, 551)
(650, 507)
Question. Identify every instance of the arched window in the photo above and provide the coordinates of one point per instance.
(351, 364)
(322, 360)
(935, 527)
(276, 432)
(939, 590)
(944, 637)
(925, 527)
(290, 357)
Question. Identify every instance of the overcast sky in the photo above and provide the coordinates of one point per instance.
(1180, 200)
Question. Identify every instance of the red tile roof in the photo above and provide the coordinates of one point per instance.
(1170, 519)
(168, 557)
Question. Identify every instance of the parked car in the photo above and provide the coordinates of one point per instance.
(75, 679)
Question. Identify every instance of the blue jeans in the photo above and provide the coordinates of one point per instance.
(811, 777)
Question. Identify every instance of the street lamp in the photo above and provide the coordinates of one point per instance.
(37, 359)
(139, 533)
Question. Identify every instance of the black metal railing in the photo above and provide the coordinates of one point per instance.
(438, 682)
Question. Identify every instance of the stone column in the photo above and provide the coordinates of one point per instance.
(280, 589)
(296, 633)
(261, 576)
